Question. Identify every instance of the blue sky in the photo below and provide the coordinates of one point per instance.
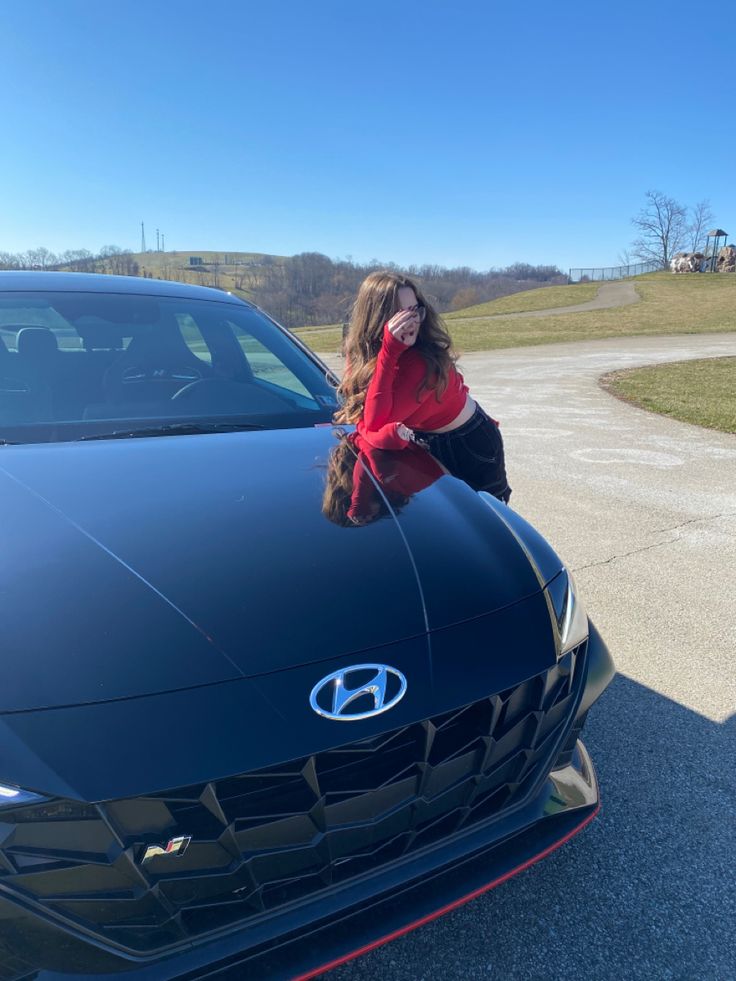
(464, 133)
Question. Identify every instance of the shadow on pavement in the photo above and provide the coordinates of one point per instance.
(648, 891)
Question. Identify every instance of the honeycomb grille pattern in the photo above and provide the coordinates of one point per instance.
(271, 837)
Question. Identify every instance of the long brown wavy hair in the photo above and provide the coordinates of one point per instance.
(377, 302)
(338, 491)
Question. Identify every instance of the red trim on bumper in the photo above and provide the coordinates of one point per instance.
(446, 909)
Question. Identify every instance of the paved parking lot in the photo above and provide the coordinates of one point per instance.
(643, 509)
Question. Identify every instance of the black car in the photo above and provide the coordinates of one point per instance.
(269, 698)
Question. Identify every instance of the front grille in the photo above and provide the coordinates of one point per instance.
(282, 834)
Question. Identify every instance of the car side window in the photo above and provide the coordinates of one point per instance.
(193, 337)
(266, 366)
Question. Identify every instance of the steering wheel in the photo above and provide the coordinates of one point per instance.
(224, 395)
(185, 392)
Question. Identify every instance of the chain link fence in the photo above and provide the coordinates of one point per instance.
(602, 274)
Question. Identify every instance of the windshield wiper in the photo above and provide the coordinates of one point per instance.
(175, 429)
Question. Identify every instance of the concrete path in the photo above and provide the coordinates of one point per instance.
(606, 481)
(643, 509)
(609, 295)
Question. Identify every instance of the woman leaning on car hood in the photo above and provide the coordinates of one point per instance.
(401, 385)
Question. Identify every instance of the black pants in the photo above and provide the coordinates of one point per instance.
(474, 453)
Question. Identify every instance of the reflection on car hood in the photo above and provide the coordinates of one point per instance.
(150, 565)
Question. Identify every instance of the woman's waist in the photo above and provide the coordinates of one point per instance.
(449, 418)
(478, 417)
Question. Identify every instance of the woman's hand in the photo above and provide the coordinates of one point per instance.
(404, 326)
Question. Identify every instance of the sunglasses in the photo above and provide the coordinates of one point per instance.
(419, 310)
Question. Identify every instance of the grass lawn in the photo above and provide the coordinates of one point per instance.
(544, 298)
(702, 392)
(685, 304)
(326, 339)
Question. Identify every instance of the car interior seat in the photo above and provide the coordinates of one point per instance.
(25, 392)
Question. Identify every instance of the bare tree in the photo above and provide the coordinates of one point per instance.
(77, 260)
(702, 219)
(465, 297)
(117, 261)
(662, 227)
(215, 267)
(40, 258)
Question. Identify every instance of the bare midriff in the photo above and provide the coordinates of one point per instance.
(465, 415)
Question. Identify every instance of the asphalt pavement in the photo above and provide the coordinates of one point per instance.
(643, 510)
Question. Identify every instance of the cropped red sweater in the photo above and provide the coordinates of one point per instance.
(393, 396)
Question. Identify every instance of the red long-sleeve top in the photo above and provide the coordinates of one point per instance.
(393, 396)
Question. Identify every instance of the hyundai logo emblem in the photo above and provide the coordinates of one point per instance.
(346, 695)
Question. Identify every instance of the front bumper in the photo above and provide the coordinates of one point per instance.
(413, 893)
(349, 920)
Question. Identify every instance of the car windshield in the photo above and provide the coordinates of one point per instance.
(91, 365)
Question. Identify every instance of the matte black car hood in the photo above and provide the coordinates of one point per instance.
(137, 566)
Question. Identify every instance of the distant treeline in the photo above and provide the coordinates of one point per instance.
(110, 259)
(312, 289)
(304, 289)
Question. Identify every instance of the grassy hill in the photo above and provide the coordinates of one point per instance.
(684, 304)
(239, 272)
(157, 262)
(540, 299)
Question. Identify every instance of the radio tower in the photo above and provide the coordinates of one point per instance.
(158, 241)
(143, 238)
(163, 247)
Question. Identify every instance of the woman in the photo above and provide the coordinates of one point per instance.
(401, 385)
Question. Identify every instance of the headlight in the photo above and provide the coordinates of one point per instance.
(15, 797)
(569, 619)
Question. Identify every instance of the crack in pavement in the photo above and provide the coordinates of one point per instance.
(690, 521)
(624, 555)
(657, 531)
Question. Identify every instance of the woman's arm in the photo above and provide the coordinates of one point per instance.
(392, 436)
(391, 395)
(379, 399)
